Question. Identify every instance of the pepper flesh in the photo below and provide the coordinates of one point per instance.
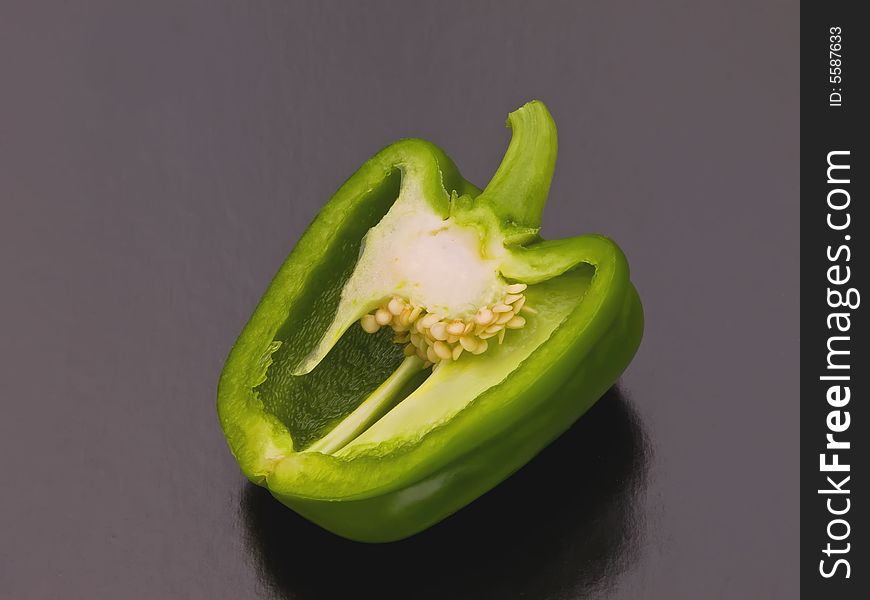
(400, 447)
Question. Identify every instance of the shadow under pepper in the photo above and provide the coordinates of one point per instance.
(564, 524)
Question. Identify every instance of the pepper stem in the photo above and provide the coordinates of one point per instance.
(518, 190)
(372, 408)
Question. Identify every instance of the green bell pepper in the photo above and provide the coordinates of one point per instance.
(422, 342)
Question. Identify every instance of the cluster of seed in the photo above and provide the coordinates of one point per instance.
(435, 339)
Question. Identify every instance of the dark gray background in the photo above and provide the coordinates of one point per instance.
(159, 159)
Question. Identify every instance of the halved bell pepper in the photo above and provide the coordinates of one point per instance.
(422, 341)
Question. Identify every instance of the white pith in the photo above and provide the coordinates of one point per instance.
(432, 262)
(415, 256)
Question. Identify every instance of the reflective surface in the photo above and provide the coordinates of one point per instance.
(567, 523)
(158, 160)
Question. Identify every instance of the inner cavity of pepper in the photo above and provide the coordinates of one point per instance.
(429, 340)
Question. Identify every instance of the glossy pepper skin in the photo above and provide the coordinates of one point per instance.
(389, 488)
